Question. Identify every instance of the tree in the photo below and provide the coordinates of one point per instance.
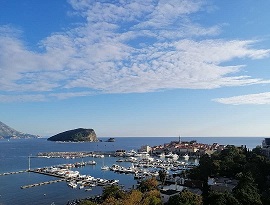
(111, 201)
(185, 198)
(133, 198)
(162, 175)
(87, 202)
(152, 198)
(112, 191)
(246, 192)
(218, 198)
(148, 185)
(257, 150)
(205, 167)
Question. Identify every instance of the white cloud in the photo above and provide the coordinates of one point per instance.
(123, 48)
(251, 99)
(22, 98)
(63, 96)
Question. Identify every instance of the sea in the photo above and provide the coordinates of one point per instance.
(15, 154)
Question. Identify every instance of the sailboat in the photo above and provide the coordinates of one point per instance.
(104, 167)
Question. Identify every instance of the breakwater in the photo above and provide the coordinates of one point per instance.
(42, 183)
(73, 155)
(10, 173)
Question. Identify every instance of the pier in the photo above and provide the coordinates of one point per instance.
(73, 155)
(10, 173)
(42, 183)
(63, 173)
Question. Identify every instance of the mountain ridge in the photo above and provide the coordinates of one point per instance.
(7, 132)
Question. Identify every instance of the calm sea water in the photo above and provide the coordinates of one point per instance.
(14, 157)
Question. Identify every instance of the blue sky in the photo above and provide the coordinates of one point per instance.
(136, 68)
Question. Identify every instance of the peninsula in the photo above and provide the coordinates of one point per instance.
(75, 135)
(7, 132)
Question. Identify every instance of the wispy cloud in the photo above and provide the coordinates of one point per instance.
(63, 96)
(123, 48)
(251, 99)
(22, 98)
(42, 97)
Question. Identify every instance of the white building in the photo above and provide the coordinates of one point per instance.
(145, 148)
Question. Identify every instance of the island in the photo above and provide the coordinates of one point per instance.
(110, 140)
(75, 135)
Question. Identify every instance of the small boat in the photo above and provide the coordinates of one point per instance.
(72, 185)
(92, 162)
(130, 153)
(105, 168)
(110, 140)
(92, 184)
(89, 189)
(175, 156)
(162, 155)
(169, 155)
(99, 155)
(186, 157)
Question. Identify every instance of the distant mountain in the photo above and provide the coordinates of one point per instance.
(7, 132)
(76, 135)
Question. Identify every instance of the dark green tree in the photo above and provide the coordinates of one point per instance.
(185, 198)
(148, 185)
(218, 198)
(162, 175)
(112, 191)
(246, 192)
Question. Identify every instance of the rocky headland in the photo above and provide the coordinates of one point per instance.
(7, 132)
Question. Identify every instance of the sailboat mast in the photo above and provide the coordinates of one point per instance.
(29, 163)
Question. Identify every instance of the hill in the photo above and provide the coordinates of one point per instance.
(76, 135)
(7, 132)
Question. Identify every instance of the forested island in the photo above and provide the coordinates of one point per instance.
(249, 169)
(76, 135)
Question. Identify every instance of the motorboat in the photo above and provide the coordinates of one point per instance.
(72, 184)
(105, 168)
(186, 156)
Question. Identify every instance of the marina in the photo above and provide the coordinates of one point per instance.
(141, 166)
(14, 165)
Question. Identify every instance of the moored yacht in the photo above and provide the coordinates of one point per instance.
(105, 167)
(72, 185)
(186, 156)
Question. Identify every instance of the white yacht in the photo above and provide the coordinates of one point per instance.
(105, 168)
(72, 185)
(186, 156)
